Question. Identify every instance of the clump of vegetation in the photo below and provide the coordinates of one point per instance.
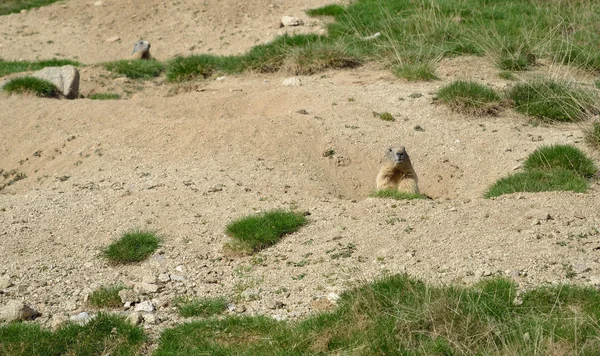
(8, 67)
(507, 75)
(31, 85)
(317, 57)
(552, 100)
(515, 58)
(385, 116)
(104, 96)
(327, 10)
(106, 297)
(398, 314)
(253, 233)
(136, 68)
(132, 247)
(592, 134)
(397, 195)
(470, 97)
(418, 71)
(201, 67)
(549, 168)
(100, 335)
(204, 307)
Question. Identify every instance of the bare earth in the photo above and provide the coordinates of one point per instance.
(186, 161)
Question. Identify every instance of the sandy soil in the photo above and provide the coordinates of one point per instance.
(185, 162)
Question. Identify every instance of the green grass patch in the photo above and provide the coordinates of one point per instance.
(102, 335)
(327, 10)
(136, 68)
(415, 72)
(385, 116)
(104, 96)
(592, 134)
(507, 75)
(552, 100)
(317, 57)
(14, 6)
(256, 232)
(132, 247)
(549, 168)
(31, 85)
(398, 315)
(106, 297)
(397, 195)
(470, 97)
(204, 307)
(8, 67)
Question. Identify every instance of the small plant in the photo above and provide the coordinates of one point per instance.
(39, 87)
(592, 134)
(507, 75)
(515, 61)
(132, 247)
(253, 233)
(549, 158)
(397, 195)
(106, 297)
(204, 307)
(105, 96)
(329, 153)
(552, 100)
(417, 71)
(136, 69)
(470, 97)
(317, 57)
(386, 116)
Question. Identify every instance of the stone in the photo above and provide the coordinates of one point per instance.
(141, 50)
(177, 278)
(581, 268)
(81, 318)
(150, 279)
(279, 317)
(134, 318)
(65, 78)
(145, 288)
(150, 319)
(179, 268)
(164, 277)
(333, 297)
(291, 82)
(112, 39)
(287, 21)
(146, 306)
(16, 310)
(5, 282)
(98, 3)
(128, 296)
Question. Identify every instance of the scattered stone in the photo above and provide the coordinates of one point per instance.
(526, 337)
(113, 39)
(164, 277)
(333, 297)
(5, 282)
(81, 318)
(292, 82)
(127, 306)
(141, 50)
(231, 307)
(287, 21)
(134, 318)
(145, 288)
(98, 3)
(581, 267)
(302, 112)
(518, 166)
(179, 268)
(279, 317)
(220, 78)
(128, 296)
(485, 273)
(65, 78)
(16, 310)
(177, 278)
(146, 306)
(150, 279)
(88, 265)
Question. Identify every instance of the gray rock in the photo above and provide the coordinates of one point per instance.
(5, 282)
(65, 78)
(141, 50)
(581, 267)
(150, 319)
(81, 318)
(164, 277)
(16, 310)
(134, 318)
(149, 279)
(292, 82)
(333, 297)
(291, 21)
(146, 306)
(177, 278)
(145, 288)
(128, 296)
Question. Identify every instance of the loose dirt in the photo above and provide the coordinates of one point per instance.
(186, 161)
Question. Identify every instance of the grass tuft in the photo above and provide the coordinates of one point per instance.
(317, 57)
(132, 247)
(552, 100)
(204, 307)
(106, 297)
(470, 97)
(136, 69)
(327, 10)
(104, 334)
(397, 195)
(507, 75)
(8, 67)
(415, 72)
(253, 233)
(31, 85)
(105, 96)
(548, 158)
(592, 134)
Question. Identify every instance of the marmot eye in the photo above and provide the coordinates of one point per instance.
(390, 149)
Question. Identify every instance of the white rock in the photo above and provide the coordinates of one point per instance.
(81, 318)
(279, 317)
(333, 297)
(65, 78)
(145, 288)
(291, 21)
(16, 310)
(146, 306)
(98, 3)
(164, 277)
(292, 82)
(220, 78)
(179, 268)
(5, 282)
(134, 318)
(150, 319)
(177, 278)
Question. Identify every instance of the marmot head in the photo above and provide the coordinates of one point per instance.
(398, 155)
(141, 46)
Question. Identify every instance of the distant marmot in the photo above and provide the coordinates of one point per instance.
(396, 172)
(141, 50)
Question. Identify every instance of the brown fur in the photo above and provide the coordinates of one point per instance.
(396, 172)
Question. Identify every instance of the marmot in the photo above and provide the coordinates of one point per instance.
(141, 50)
(396, 172)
